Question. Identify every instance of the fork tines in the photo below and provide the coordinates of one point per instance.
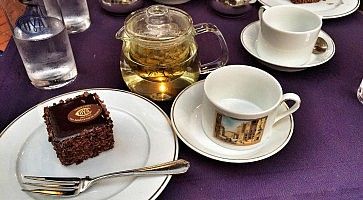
(52, 179)
(58, 186)
(55, 192)
(53, 185)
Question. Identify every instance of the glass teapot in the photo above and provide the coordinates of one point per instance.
(159, 53)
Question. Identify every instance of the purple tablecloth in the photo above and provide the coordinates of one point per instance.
(323, 159)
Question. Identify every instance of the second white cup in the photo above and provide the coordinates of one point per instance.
(240, 106)
(288, 34)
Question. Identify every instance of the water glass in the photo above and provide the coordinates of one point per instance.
(76, 15)
(231, 8)
(42, 41)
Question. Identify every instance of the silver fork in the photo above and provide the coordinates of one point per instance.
(73, 186)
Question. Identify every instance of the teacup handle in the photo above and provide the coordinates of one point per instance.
(261, 10)
(222, 60)
(292, 109)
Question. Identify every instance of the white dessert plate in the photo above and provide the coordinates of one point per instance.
(249, 37)
(143, 136)
(186, 122)
(328, 9)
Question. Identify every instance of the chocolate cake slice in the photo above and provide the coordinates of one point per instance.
(79, 128)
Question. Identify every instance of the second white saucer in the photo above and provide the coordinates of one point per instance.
(249, 37)
(186, 122)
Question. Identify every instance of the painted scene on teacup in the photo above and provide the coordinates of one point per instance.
(239, 132)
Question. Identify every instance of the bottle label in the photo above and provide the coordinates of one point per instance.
(33, 21)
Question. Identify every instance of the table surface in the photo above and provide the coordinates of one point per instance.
(323, 159)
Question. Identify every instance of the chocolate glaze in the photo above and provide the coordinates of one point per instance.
(59, 117)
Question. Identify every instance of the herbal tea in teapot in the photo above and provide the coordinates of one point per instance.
(159, 74)
(161, 64)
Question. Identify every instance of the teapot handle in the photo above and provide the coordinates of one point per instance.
(119, 33)
(222, 60)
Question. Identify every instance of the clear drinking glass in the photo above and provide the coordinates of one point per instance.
(360, 92)
(76, 15)
(231, 8)
(42, 41)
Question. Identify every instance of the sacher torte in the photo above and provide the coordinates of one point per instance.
(79, 128)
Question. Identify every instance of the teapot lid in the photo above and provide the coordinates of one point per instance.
(158, 23)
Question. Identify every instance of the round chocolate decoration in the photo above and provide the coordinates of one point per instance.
(84, 113)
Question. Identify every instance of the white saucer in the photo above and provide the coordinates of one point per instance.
(186, 122)
(249, 37)
(327, 9)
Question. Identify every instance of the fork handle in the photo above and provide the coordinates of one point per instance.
(168, 168)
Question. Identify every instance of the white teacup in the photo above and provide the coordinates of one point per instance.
(240, 106)
(288, 34)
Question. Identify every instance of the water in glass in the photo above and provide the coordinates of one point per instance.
(46, 52)
(75, 14)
